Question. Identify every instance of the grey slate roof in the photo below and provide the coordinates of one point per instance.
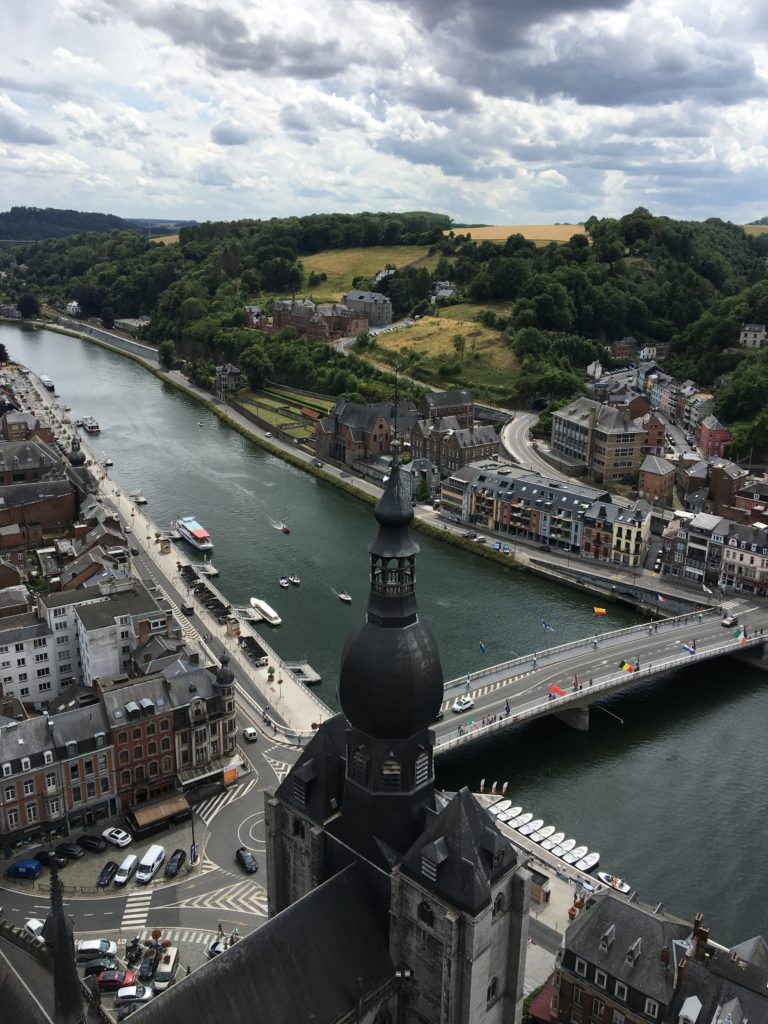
(16, 628)
(323, 759)
(448, 399)
(629, 922)
(470, 852)
(127, 602)
(17, 999)
(308, 963)
(657, 465)
(731, 990)
(13, 495)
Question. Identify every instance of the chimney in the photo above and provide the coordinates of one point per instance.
(680, 975)
(700, 937)
(666, 956)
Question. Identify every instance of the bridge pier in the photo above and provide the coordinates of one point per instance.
(577, 718)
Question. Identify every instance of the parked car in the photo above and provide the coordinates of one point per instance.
(34, 927)
(268, 433)
(250, 734)
(71, 850)
(48, 857)
(218, 947)
(92, 949)
(133, 994)
(26, 867)
(246, 860)
(117, 836)
(111, 981)
(96, 843)
(463, 703)
(107, 873)
(175, 863)
(318, 463)
(149, 965)
(127, 1010)
(730, 620)
(101, 963)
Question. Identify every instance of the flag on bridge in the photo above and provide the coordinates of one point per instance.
(706, 589)
(689, 648)
(600, 611)
(556, 690)
(626, 666)
(660, 599)
(547, 626)
(739, 635)
(482, 647)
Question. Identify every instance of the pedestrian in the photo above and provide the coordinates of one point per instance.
(590, 682)
(701, 618)
(468, 684)
(535, 661)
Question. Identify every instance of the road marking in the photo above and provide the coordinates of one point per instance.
(210, 808)
(243, 897)
(280, 768)
(136, 910)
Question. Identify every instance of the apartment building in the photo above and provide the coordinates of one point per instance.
(600, 440)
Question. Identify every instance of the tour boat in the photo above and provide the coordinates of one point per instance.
(532, 826)
(521, 819)
(553, 841)
(47, 383)
(192, 532)
(543, 833)
(588, 863)
(344, 596)
(267, 613)
(295, 580)
(107, 460)
(615, 883)
(564, 847)
(497, 808)
(284, 582)
(137, 498)
(509, 814)
(575, 854)
(90, 423)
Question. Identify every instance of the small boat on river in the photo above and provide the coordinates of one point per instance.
(193, 533)
(531, 827)
(497, 808)
(344, 596)
(521, 819)
(137, 498)
(284, 582)
(613, 882)
(543, 833)
(575, 854)
(509, 814)
(295, 580)
(564, 847)
(553, 841)
(91, 424)
(588, 863)
(285, 529)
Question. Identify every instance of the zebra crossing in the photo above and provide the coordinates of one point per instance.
(179, 936)
(208, 809)
(280, 768)
(136, 910)
(242, 898)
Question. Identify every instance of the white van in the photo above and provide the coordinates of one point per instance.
(126, 869)
(150, 863)
(166, 969)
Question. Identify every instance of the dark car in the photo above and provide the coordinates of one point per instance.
(246, 860)
(218, 947)
(175, 863)
(126, 1011)
(71, 850)
(102, 963)
(149, 965)
(95, 843)
(107, 873)
(48, 857)
(111, 981)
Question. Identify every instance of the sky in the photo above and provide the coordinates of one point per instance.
(491, 111)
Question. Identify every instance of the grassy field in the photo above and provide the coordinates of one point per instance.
(165, 239)
(342, 265)
(756, 229)
(488, 365)
(541, 234)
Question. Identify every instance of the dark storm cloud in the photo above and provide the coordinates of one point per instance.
(430, 96)
(498, 24)
(14, 131)
(228, 134)
(453, 160)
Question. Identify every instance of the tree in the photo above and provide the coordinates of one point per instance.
(107, 317)
(29, 305)
(256, 366)
(3, 354)
(166, 353)
(459, 345)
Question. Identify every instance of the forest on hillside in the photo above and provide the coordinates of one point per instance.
(32, 222)
(686, 283)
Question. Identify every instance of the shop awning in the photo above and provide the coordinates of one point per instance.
(159, 810)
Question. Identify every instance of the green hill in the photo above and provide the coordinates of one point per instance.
(31, 223)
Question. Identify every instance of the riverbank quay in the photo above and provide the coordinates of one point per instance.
(607, 582)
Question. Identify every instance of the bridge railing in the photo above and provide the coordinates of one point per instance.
(601, 638)
(537, 707)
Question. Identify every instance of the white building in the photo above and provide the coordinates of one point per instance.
(73, 308)
(753, 335)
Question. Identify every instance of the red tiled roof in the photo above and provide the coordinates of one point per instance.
(540, 1008)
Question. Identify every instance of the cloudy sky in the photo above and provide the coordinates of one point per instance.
(493, 111)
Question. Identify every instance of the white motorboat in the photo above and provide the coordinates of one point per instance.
(345, 597)
(588, 863)
(284, 582)
(137, 498)
(267, 613)
(565, 847)
(193, 533)
(532, 826)
(295, 580)
(543, 833)
(522, 819)
(553, 841)
(575, 854)
(497, 808)
(613, 882)
(509, 814)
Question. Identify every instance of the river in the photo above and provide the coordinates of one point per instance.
(669, 784)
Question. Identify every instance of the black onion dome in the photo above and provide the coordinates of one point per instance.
(391, 680)
(77, 456)
(225, 676)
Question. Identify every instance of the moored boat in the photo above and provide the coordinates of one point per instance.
(267, 613)
(588, 863)
(565, 847)
(497, 808)
(553, 841)
(193, 533)
(47, 383)
(575, 854)
(543, 833)
(531, 827)
(509, 814)
(521, 819)
(137, 498)
(613, 882)
(345, 597)
(91, 424)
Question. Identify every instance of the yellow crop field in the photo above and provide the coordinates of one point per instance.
(756, 229)
(166, 239)
(541, 234)
(342, 265)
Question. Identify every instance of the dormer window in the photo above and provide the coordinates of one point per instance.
(421, 770)
(358, 766)
(607, 938)
(425, 913)
(633, 953)
(390, 775)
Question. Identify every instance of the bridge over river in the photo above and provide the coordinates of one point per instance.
(517, 691)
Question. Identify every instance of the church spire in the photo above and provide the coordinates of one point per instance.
(57, 932)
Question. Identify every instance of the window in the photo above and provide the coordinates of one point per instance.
(492, 988)
(151, 729)
(6, 770)
(13, 819)
(651, 1008)
(54, 806)
(74, 769)
(390, 775)
(598, 1008)
(42, 657)
(618, 1017)
(621, 991)
(47, 757)
(50, 780)
(21, 662)
(136, 734)
(10, 793)
(89, 767)
(25, 764)
(578, 997)
(90, 790)
(44, 687)
(42, 672)
(58, 626)
(31, 810)
(422, 768)
(581, 968)
(165, 743)
(101, 758)
(29, 787)
(61, 641)
(76, 795)
(125, 778)
(40, 642)
(425, 913)
(138, 753)
(24, 691)
(601, 979)
(152, 748)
